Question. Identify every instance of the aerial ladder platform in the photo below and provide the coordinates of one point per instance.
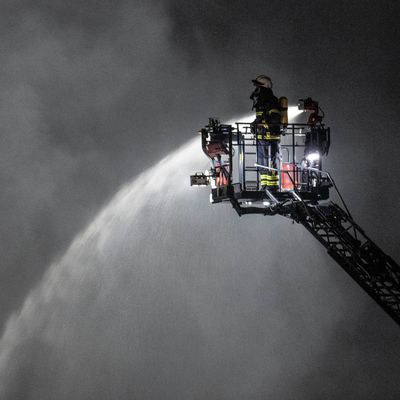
(303, 194)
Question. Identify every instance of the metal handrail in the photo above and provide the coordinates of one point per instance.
(318, 171)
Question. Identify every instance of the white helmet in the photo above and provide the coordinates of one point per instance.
(263, 80)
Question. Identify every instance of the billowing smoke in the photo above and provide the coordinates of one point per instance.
(164, 296)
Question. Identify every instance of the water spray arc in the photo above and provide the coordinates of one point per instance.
(152, 291)
(136, 299)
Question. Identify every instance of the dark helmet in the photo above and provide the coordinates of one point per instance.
(263, 80)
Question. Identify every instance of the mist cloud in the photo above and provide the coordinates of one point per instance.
(92, 94)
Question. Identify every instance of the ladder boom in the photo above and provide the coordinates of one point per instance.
(294, 185)
(377, 273)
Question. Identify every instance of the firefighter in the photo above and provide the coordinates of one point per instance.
(267, 130)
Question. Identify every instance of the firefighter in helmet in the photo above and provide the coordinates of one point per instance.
(267, 130)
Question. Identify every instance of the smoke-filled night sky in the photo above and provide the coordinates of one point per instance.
(162, 295)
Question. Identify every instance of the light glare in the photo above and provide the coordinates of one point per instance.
(293, 112)
(313, 156)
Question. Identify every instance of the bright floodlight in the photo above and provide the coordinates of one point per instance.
(313, 156)
(293, 112)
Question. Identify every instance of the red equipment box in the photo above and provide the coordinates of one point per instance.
(289, 173)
